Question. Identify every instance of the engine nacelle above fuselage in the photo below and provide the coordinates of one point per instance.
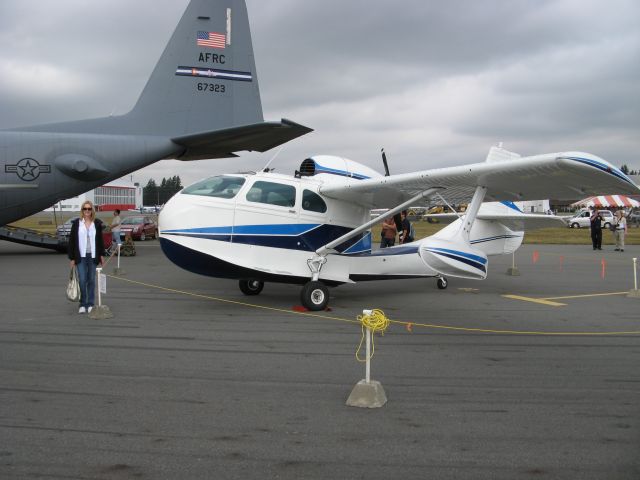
(330, 169)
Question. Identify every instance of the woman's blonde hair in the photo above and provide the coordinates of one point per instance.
(93, 210)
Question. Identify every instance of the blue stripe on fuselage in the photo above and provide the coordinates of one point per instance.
(307, 237)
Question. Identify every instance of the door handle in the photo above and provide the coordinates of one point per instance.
(292, 211)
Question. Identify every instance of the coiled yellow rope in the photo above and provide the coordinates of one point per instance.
(376, 321)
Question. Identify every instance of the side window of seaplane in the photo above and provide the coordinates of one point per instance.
(312, 202)
(219, 187)
(272, 193)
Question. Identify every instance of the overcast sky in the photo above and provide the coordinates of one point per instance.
(435, 83)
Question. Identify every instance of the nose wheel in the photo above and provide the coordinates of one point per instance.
(251, 287)
(442, 283)
(314, 296)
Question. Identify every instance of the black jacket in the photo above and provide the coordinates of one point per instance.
(73, 249)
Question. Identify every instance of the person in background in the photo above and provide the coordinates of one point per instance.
(620, 231)
(596, 229)
(115, 227)
(85, 251)
(389, 231)
(406, 234)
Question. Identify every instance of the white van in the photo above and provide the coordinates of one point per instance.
(581, 219)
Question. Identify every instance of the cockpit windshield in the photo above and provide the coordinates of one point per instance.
(224, 186)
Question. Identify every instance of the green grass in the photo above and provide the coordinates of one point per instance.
(44, 222)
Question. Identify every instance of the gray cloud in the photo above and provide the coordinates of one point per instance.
(435, 83)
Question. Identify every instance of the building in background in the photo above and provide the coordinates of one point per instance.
(122, 194)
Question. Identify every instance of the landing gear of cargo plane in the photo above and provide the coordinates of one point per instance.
(314, 296)
(442, 283)
(251, 287)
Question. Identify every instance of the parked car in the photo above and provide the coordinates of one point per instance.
(581, 219)
(139, 227)
(633, 219)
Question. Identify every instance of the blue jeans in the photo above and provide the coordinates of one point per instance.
(87, 280)
(116, 237)
(387, 242)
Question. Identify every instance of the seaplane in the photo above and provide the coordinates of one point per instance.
(313, 227)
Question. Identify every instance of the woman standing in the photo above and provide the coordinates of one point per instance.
(86, 247)
(621, 230)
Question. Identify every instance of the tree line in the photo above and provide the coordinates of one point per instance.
(154, 194)
(624, 169)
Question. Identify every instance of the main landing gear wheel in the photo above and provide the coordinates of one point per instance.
(251, 287)
(442, 283)
(314, 296)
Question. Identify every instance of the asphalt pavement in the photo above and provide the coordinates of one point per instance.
(515, 377)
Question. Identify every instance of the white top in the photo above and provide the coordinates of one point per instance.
(115, 224)
(84, 234)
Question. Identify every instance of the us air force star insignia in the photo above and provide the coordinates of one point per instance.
(27, 169)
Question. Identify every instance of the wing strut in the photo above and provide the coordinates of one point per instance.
(324, 250)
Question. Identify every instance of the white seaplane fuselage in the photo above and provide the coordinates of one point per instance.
(267, 226)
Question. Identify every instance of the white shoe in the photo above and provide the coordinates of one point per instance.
(89, 309)
(82, 310)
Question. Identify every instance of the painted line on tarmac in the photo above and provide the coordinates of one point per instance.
(550, 300)
(542, 301)
(587, 295)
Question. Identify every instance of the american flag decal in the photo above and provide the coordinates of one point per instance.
(211, 39)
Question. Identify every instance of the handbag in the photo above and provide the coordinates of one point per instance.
(73, 287)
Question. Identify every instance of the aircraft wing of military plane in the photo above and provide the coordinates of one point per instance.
(201, 101)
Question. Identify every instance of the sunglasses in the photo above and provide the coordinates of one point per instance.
(87, 209)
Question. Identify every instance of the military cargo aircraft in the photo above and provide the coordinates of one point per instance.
(201, 101)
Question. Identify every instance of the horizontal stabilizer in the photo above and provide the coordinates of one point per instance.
(258, 137)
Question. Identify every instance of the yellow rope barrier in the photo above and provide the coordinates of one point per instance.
(408, 325)
(375, 321)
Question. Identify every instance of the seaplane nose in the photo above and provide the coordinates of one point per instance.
(170, 214)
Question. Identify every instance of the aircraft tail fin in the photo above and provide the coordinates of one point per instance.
(206, 78)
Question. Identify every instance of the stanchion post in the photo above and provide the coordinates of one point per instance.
(635, 293)
(100, 312)
(98, 273)
(367, 393)
(118, 270)
(513, 270)
(367, 375)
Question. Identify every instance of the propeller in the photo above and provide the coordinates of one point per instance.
(396, 218)
(384, 161)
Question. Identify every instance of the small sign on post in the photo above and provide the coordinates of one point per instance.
(101, 312)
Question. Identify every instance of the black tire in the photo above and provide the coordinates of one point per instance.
(575, 225)
(442, 283)
(607, 225)
(314, 296)
(251, 287)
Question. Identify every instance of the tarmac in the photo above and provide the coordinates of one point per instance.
(516, 377)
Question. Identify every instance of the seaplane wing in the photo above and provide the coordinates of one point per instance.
(565, 175)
